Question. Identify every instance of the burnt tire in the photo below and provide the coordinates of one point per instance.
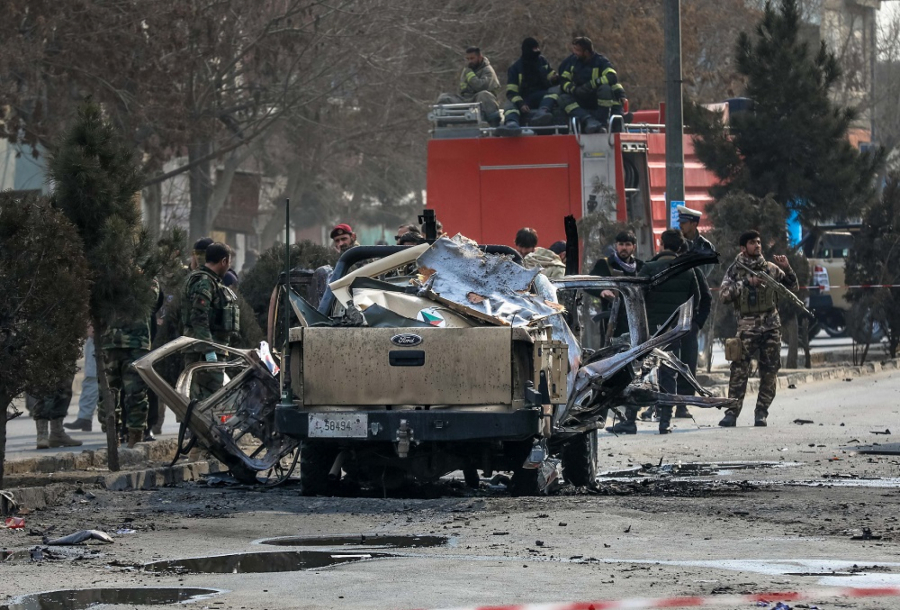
(580, 459)
(316, 460)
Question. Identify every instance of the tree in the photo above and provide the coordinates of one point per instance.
(875, 259)
(95, 178)
(43, 300)
(257, 284)
(793, 144)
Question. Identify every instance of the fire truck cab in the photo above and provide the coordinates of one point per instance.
(488, 187)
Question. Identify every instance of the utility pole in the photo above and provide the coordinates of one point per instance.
(674, 113)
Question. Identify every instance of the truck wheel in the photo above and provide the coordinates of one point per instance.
(524, 482)
(316, 460)
(580, 459)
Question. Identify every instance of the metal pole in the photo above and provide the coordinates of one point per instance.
(674, 114)
(286, 394)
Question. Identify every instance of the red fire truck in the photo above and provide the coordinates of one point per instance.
(488, 187)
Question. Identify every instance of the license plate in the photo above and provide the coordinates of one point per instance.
(338, 425)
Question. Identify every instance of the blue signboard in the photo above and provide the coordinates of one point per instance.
(673, 214)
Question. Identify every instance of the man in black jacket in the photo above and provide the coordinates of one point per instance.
(662, 302)
(621, 262)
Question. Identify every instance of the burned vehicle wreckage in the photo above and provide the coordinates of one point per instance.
(428, 359)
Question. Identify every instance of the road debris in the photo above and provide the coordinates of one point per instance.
(79, 537)
(803, 421)
(866, 535)
(14, 523)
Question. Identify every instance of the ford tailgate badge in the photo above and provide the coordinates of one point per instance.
(406, 340)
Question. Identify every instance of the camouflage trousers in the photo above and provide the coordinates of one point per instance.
(766, 345)
(128, 387)
(53, 406)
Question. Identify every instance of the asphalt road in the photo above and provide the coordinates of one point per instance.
(787, 523)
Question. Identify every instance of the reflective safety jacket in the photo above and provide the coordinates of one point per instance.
(596, 72)
(518, 87)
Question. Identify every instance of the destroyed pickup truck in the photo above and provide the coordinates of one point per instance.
(431, 359)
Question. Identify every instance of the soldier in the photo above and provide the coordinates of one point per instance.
(662, 302)
(48, 413)
(759, 326)
(477, 83)
(123, 343)
(343, 238)
(198, 255)
(209, 311)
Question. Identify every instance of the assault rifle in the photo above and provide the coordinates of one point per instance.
(779, 288)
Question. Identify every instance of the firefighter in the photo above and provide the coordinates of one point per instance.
(528, 80)
(589, 89)
(477, 83)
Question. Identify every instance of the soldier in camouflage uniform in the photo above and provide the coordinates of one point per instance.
(209, 311)
(48, 413)
(759, 326)
(123, 343)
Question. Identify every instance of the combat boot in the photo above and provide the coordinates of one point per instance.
(509, 129)
(541, 118)
(681, 412)
(135, 437)
(58, 436)
(84, 425)
(729, 421)
(592, 125)
(623, 427)
(43, 433)
(760, 417)
(665, 419)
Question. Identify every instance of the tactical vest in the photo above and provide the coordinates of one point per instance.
(225, 313)
(758, 300)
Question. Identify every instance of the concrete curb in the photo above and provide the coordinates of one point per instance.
(56, 494)
(143, 453)
(812, 375)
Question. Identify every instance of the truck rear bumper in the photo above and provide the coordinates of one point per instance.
(426, 426)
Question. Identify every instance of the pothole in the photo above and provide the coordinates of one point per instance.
(357, 541)
(257, 563)
(693, 469)
(341, 550)
(76, 599)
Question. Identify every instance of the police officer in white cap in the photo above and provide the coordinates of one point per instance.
(689, 220)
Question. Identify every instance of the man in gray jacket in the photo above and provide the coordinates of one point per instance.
(477, 83)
